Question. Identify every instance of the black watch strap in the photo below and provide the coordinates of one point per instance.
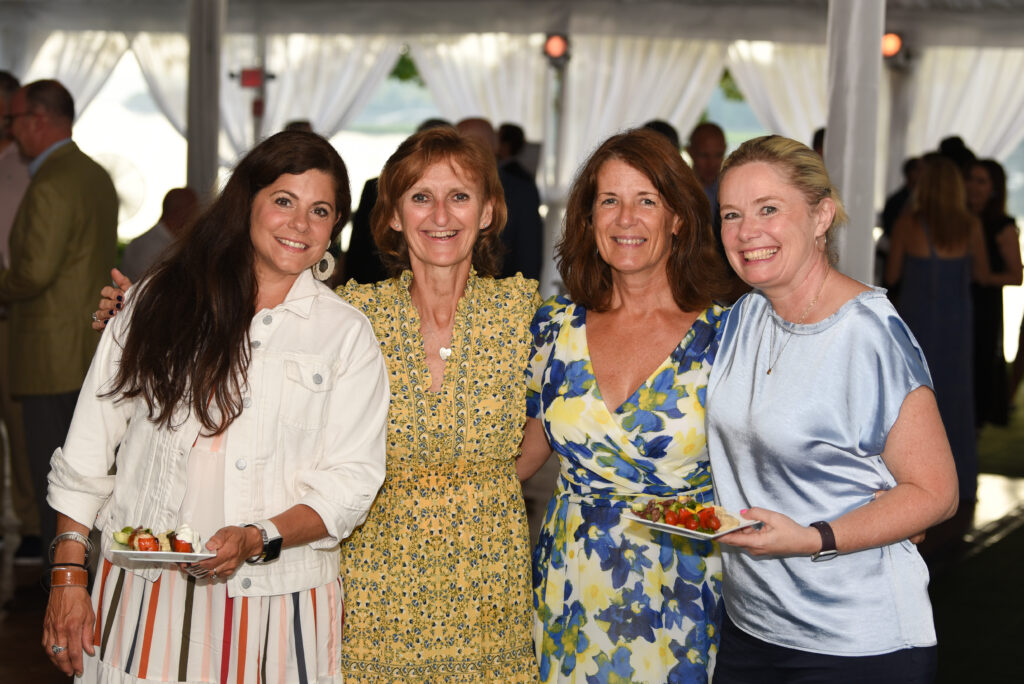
(272, 542)
(828, 542)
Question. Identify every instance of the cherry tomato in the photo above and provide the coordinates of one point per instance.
(671, 517)
(704, 515)
(691, 521)
(147, 543)
(181, 546)
(713, 522)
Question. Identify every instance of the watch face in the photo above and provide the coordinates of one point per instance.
(272, 549)
(824, 555)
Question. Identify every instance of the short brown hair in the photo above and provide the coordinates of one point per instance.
(803, 168)
(696, 272)
(408, 164)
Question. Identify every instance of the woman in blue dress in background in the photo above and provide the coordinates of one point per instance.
(936, 250)
(616, 386)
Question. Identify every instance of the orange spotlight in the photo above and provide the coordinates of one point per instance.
(891, 44)
(556, 48)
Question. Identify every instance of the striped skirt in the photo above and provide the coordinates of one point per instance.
(179, 629)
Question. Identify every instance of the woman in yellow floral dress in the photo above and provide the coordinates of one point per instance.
(616, 385)
(437, 581)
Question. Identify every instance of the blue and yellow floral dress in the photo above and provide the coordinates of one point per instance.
(616, 601)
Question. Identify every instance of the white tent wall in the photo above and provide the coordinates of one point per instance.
(953, 26)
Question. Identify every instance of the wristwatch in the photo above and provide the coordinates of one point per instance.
(272, 542)
(828, 542)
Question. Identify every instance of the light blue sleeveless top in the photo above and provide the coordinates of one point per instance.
(806, 441)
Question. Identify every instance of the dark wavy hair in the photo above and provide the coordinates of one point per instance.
(995, 207)
(696, 272)
(188, 343)
(408, 164)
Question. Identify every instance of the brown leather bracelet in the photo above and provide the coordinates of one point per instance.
(68, 577)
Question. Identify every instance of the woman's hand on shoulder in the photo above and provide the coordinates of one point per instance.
(779, 535)
(111, 299)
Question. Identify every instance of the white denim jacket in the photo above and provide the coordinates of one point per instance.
(312, 431)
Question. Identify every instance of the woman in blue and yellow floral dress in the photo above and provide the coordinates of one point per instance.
(616, 387)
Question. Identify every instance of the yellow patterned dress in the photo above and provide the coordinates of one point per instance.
(437, 581)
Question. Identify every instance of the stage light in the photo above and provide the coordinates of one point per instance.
(891, 44)
(556, 48)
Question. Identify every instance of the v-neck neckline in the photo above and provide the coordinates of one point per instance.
(617, 411)
(459, 343)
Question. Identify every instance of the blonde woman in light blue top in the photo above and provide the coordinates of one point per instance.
(819, 398)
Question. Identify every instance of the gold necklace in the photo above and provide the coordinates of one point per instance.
(803, 317)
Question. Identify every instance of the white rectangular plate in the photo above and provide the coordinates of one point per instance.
(692, 534)
(122, 551)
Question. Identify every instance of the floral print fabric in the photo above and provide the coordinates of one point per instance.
(616, 601)
(437, 583)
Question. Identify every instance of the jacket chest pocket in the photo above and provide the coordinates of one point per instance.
(307, 386)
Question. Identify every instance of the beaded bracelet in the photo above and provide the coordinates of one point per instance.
(68, 577)
(75, 536)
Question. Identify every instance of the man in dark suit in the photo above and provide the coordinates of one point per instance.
(62, 246)
(524, 232)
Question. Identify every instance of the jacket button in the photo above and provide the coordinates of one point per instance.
(256, 344)
(246, 583)
(317, 379)
(268, 319)
(246, 402)
(240, 464)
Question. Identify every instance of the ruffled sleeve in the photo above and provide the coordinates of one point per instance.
(544, 329)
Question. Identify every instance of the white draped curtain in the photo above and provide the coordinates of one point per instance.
(81, 60)
(616, 82)
(327, 79)
(163, 60)
(784, 84)
(976, 93)
(497, 76)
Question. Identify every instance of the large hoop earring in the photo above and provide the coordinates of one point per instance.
(323, 269)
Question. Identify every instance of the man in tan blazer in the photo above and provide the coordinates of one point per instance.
(62, 246)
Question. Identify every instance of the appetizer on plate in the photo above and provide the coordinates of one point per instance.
(686, 512)
(181, 540)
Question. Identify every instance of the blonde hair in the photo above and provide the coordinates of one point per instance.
(940, 201)
(802, 167)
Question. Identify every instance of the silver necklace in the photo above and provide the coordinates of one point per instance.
(445, 353)
(789, 333)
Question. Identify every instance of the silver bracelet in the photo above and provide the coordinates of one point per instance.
(74, 536)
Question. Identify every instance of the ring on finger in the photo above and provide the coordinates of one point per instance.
(57, 650)
(95, 318)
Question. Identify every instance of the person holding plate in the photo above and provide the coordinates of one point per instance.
(237, 394)
(819, 399)
(616, 385)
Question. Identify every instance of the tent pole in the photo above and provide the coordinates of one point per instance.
(854, 71)
(206, 19)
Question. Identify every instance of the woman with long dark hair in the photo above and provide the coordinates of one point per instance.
(986, 198)
(237, 395)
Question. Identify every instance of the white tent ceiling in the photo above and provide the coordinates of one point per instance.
(922, 22)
